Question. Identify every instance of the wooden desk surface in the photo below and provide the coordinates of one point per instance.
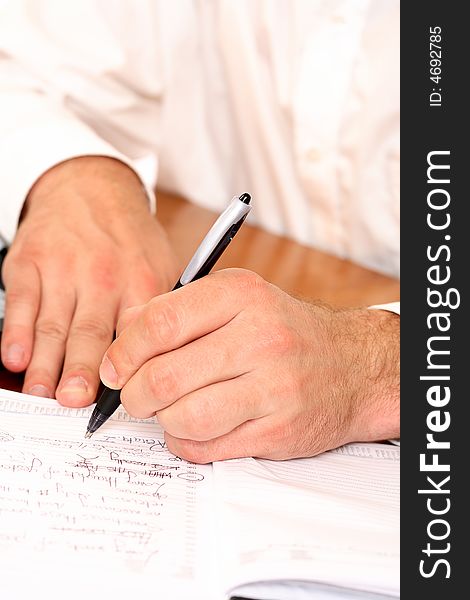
(294, 268)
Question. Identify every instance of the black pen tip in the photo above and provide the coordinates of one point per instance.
(245, 198)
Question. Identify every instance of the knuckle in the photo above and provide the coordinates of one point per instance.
(92, 328)
(163, 382)
(278, 340)
(283, 440)
(278, 432)
(162, 321)
(249, 281)
(197, 420)
(51, 329)
(242, 282)
(284, 339)
(104, 272)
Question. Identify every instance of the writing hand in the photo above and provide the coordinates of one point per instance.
(232, 366)
(86, 249)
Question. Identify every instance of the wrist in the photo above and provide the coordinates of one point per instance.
(111, 181)
(375, 363)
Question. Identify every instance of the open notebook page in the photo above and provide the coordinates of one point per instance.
(332, 519)
(116, 516)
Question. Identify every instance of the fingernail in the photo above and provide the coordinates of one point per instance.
(75, 385)
(15, 355)
(40, 390)
(108, 373)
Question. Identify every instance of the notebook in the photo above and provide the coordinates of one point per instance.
(118, 516)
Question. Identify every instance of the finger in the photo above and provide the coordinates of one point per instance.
(127, 317)
(164, 379)
(23, 293)
(215, 410)
(91, 333)
(249, 439)
(50, 335)
(171, 320)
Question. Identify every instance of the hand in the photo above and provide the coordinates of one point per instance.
(86, 249)
(232, 367)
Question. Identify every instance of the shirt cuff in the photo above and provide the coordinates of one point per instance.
(393, 307)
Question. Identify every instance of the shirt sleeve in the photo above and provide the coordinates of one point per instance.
(43, 120)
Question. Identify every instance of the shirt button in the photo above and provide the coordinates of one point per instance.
(313, 154)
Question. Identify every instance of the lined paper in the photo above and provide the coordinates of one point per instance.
(118, 509)
(331, 518)
(119, 516)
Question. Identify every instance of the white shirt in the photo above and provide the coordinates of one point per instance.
(295, 101)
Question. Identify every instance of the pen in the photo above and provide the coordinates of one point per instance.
(207, 254)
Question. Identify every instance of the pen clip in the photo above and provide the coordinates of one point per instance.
(218, 250)
(216, 240)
